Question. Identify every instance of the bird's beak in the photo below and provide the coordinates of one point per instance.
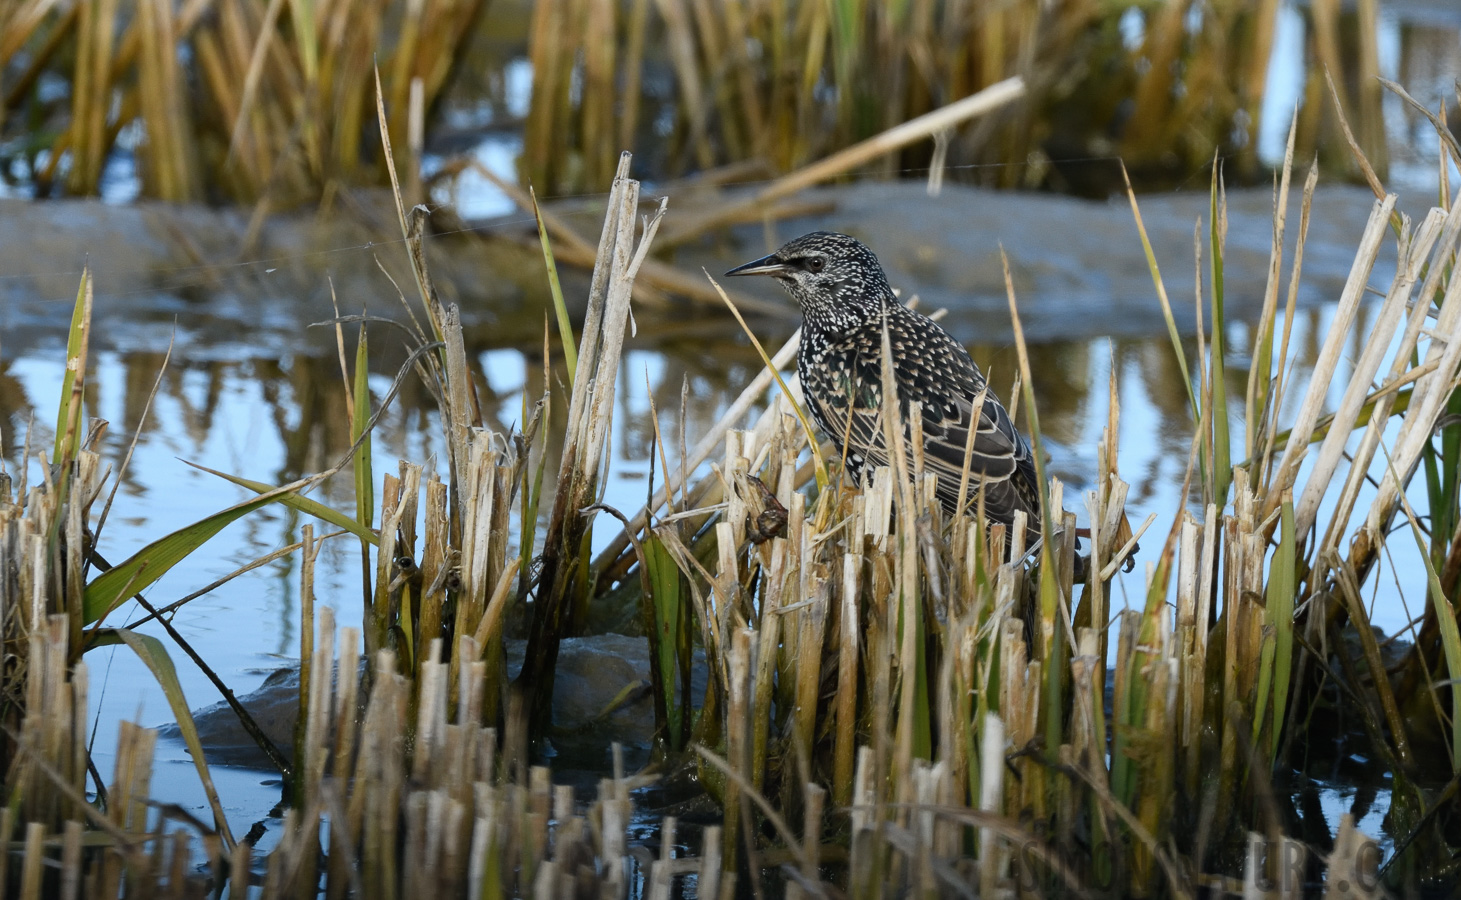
(766, 265)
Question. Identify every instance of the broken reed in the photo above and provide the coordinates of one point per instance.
(454, 812)
(848, 634)
(788, 83)
(442, 565)
(234, 98)
(1196, 705)
(445, 813)
(950, 662)
(440, 568)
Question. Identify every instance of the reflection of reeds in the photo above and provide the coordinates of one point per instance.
(1346, 50)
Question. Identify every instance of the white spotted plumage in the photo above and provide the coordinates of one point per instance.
(845, 300)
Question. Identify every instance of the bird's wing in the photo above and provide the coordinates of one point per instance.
(945, 382)
(1000, 461)
(851, 413)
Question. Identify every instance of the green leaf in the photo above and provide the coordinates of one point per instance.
(107, 591)
(154, 655)
(303, 504)
(565, 328)
(533, 494)
(68, 415)
(1446, 622)
(1222, 466)
(1451, 642)
(1445, 616)
(1281, 586)
(1156, 273)
(1325, 422)
(668, 604)
(364, 477)
(1052, 701)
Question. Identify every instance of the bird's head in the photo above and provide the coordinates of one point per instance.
(836, 280)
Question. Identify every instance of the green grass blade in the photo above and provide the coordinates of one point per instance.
(68, 415)
(1222, 448)
(107, 590)
(668, 604)
(1325, 422)
(1054, 655)
(1446, 620)
(1443, 505)
(154, 655)
(1451, 641)
(303, 18)
(303, 504)
(1151, 262)
(1445, 616)
(1052, 702)
(532, 494)
(1264, 687)
(364, 476)
(1125, 710)
(922, 704)
(1282, 583)
(565, 327)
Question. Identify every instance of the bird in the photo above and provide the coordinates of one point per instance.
(845, 300)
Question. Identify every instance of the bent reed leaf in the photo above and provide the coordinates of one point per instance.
(154, 655)
(302, 503)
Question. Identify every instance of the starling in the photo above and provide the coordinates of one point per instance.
(844, 297)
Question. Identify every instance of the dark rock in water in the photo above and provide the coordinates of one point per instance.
(593, 675)
(601, 696)
(596, 674)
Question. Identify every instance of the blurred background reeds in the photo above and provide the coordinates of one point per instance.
(248, 100)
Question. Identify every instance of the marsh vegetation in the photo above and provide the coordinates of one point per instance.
(895, 700)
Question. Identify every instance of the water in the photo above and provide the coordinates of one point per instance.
(1419, 46)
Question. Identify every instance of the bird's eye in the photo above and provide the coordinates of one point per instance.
(815, 264)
